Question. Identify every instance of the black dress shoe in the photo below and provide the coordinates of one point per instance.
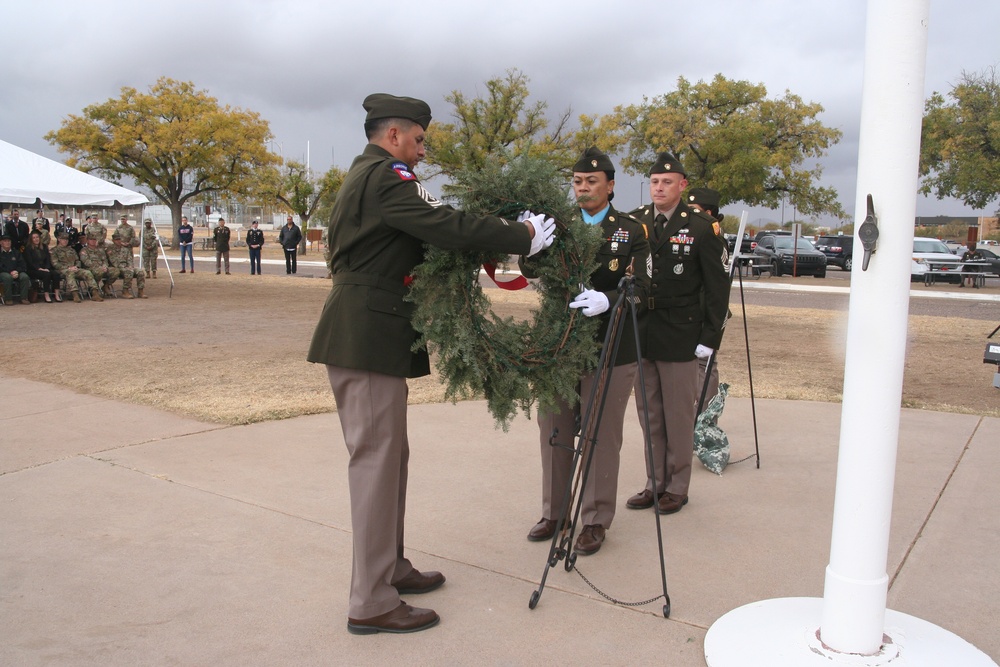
(640, 501)
(543, 530)
(419, 582)
(590, 540)
(671, 503)
(403, 618)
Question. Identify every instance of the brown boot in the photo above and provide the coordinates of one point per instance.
(76, 296)
(95, 295)
(154, 275)
(141, 295)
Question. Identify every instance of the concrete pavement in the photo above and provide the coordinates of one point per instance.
(133, 536)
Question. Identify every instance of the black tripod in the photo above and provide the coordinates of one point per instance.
(586, 436)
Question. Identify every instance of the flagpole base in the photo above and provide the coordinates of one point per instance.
(784, 632)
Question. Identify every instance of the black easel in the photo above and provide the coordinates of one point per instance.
(586, 437)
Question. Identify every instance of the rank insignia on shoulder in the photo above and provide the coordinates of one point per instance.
(403, 170)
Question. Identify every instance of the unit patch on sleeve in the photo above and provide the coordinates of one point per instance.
(403, 170)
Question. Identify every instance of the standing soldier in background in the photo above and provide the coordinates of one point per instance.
(686, 310)
(150, 247)
(289, 238)
(95, 260)
(96, 230)
(120, 257)
(706, 200)
(127, 233)
(255, 242)
(67, 263)
(221, 237)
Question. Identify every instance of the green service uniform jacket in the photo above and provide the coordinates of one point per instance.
(624, 243)
(378, 227)
(689, 293)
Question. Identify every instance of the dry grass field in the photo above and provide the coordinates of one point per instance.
(231, 349)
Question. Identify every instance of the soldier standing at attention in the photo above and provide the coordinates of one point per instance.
(127, 233)
(67, 263)
(706, 200)
(96, 230)
(380, 222)
(150, 247)
(255, 241)
(624, 246)
(221, 236)
(687, 305)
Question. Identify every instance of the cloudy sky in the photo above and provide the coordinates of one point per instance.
(306, 65)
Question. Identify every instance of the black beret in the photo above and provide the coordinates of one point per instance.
(705, 198)
(666, 163)
(383, 105)
(5, 237)
(593, 159)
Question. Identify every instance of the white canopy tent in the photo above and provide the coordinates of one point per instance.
(28, 179)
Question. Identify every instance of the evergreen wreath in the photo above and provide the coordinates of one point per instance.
(513, 364)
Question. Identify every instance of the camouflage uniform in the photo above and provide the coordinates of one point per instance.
(67, 263)
(96, 261)
(150, 250)
(120, 257)
(95, 230)
(128, 235)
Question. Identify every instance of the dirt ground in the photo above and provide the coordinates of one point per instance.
(231, 349)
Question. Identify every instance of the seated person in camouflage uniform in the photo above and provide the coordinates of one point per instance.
(150, 248)
(120, 257)
(95, 259)
(67, 263)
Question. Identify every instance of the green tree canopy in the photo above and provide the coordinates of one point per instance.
(301, 192)
(960, 149)
(502, 123)
(175, 140)
(730, 137)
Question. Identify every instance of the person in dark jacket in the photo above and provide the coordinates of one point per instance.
(625, 248)
(380, 222)
(39, 263)
(255, 241)
(289, 238)
(13, 269)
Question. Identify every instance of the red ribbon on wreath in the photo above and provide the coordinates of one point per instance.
(517, 283)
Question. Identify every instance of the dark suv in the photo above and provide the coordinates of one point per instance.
(839, 250)
(782, 253)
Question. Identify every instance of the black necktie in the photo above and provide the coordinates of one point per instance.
(658, 224)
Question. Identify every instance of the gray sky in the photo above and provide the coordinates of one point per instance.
(306, 65)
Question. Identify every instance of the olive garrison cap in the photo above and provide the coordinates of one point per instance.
(593, 159)
(706, 198)
(666, 163)
(383, 105)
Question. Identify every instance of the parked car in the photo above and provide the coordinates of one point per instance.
(839, 250)
(780, 253)
(746, 247)
(993, 258)
(955, 246)
(933, 250)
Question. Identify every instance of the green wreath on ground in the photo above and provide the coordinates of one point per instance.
(478, 354)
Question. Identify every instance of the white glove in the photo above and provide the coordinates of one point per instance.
(545, 233)
(524, 216)
(592, 302)
(703, 352)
